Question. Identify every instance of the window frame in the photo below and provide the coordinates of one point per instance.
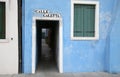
(6, 21)
(96, 3)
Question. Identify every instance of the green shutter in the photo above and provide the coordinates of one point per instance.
(2, 20)
(84, 20)
(78, 20)
(89, 20)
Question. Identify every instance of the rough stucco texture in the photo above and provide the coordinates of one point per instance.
(115, 41)
(78, 56)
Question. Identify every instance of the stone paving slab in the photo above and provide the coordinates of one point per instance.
(48, 74)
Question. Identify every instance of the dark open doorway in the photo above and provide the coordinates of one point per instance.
(47, 40)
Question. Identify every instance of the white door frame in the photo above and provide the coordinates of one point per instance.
(60, 53)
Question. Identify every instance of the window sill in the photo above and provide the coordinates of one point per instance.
(4, 40)
(84, 38)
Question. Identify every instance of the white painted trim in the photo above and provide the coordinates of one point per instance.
(33, 44)
(96, 19)
(60, 41)
(6, 40)
(60, 46)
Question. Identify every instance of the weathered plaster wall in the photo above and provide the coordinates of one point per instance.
(78, 56)
(9, 46)
(88, 56)
(115, 40)
(26, 38)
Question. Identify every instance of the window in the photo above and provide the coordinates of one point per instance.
(4, 20)
(85, 20)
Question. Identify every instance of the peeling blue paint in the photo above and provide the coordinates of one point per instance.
(78, 56)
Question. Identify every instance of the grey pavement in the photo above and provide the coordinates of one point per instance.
(52, 74)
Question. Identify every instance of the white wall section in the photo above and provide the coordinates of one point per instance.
(9, 48)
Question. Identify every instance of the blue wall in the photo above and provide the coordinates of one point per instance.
(115, 40)
(78, 56)
(26, 39)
